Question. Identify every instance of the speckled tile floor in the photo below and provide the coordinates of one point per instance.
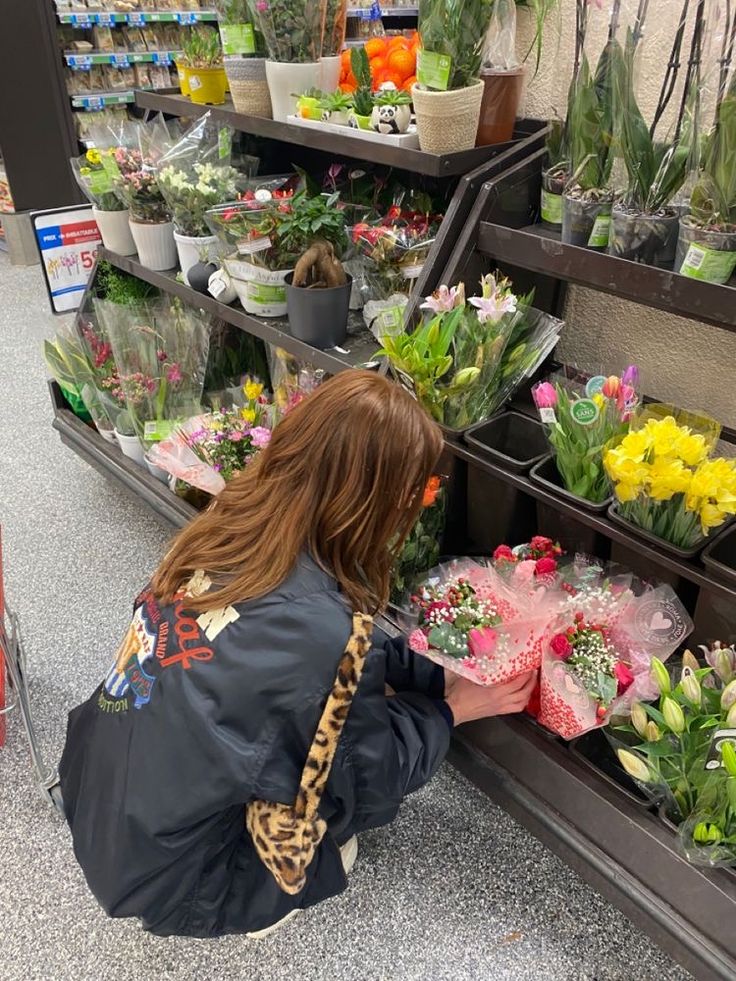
(453, 891)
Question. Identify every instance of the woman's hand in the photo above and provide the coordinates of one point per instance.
(469, 702)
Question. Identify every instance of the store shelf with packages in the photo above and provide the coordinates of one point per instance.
(99, 100)
(416, 161)
(119, 59)
(91, 18)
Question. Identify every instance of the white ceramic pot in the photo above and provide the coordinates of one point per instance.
(193, 248)
(115, 230)
(329, 73)
(285, 79)
(157, 472)
(155, 244)
(391, 120)
(341, 118)
(262, 292)
(131, 447)
(108, 435)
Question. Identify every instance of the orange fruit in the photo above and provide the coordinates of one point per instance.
(408, 83)
(345, 60)
(378, 79)
(347, 88)
(399, 42)
(402, 62)
(378, 65)
(392, 76)
(375, 46)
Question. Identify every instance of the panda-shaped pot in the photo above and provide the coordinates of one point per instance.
(390, 119)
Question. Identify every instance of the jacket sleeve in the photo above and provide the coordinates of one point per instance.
(407, 671)
(392, 745)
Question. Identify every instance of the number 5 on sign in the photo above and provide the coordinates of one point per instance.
(68, 239)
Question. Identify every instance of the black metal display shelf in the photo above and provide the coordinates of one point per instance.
(110, 461)
(540, 250)
(621, 849)
(692, 571)
(360, 348)
(416, 161)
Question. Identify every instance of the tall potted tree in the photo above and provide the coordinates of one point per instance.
(448, 92)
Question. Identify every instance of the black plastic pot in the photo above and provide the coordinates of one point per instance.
(579, 222)
(594, 751)
(318, 316)
(547, 475)
(682, 553)
(650, 239)
(720, 556)
(515, 440)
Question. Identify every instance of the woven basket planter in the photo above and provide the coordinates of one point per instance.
(248, 86)
(447, 122)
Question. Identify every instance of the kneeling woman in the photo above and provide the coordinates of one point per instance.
(245, 731)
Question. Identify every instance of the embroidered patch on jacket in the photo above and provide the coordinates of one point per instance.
(127, 673)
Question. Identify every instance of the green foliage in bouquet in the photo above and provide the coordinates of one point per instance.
(68, 363)
(421, 550)
(656, 170)
(456, 28)
(713, 201)
(590, 121)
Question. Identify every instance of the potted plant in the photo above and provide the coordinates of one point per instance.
(135, 183)
(555, 175)
(309, 104)
(318, 297)
(93, 174)
(205, 73)
(244, 50)
(334, 19)
(360, 117)
(336, 107)
(706, 247)
(644, 222)
(391, 113)
(293, 35)
(586, 203)
(448, 92)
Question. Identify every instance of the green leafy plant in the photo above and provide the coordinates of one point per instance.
(311, 218)
(392, 97)
(713, 201)
(337, 101)
(540, 11)
(240, 12)
(590, 123)
(456, 28)
(118, 287)
(203, 50)
(421, 550)
(292, 29)
(363, 95)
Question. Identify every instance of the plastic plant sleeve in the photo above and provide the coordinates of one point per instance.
(175, 456)
(292, 31)
(454, 30)
(67, 360)
(421, 550)
(708, 834)
(334, 19)
(291, 379)
(499, 49)
(97, 390)
(532, 339)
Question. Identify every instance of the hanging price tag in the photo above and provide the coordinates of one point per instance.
(106, 20)
(81, 20)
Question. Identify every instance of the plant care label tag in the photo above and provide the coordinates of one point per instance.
(195, 82)
(715, 751)
(263, 293)
(157, 429)
(251, 246)
(584, 412)
(595, 385)
(547, 414)
(433, 70)
(216, 286)
(263, 195)
(110, 165)
(238, 39)
(551, 208)
(390, 321)
(708, 264)
(413, 271)
(600, 233)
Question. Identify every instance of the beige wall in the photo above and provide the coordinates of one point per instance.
(682, 360)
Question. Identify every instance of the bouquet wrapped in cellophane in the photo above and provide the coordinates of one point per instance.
(160, 349)
(421, 550)
(598, 658)
(583, 418)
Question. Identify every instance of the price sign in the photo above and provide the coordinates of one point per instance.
(68, 239)
(80, 62)
(120, 60)
(187, 17)
(92, 102)
(138, 20)
(81, 20)
(106, 20)
(161, 58)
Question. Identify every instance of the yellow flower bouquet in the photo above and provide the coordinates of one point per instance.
(665, 479)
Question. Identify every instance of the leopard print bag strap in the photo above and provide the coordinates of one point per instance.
(285, 836)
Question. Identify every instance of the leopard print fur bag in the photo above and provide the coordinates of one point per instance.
(287, 836)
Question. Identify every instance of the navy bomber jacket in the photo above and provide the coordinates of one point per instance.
(200, 714)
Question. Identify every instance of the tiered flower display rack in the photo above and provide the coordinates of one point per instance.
(569, 795)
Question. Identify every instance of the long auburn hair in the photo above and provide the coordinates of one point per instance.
(342, 478)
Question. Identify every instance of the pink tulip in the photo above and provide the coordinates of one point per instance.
(545, 395)
(481, 641)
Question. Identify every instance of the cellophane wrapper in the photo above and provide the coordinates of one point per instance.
(534, 336)
(715, 808)
(291, 379)
(506, 650)
(644, 621)
(176, 457)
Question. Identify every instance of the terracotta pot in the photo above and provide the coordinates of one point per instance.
(501, 97)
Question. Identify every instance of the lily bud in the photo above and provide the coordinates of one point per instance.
(731, 791)
(707, 834)
(728, 695)
(691, 686)
(634, 765)
(723, 666)
(652, 734)
(729, 758)
(731, 717)
(673, 716)
(660, 676)
(690, 661)
(639, 718)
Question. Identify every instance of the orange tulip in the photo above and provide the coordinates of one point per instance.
(431, 491)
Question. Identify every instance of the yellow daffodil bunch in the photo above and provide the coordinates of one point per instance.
(95, 180)
(666, 482)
